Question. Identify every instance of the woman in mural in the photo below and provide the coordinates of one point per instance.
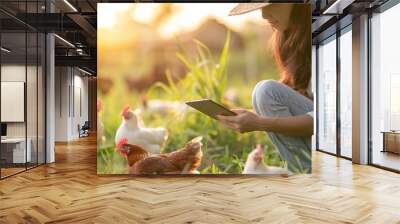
(284, 108)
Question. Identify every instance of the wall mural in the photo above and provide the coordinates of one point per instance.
(182, 88)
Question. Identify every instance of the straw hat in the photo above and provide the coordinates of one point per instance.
(243, 8)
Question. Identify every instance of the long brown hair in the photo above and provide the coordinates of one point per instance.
(292, 49)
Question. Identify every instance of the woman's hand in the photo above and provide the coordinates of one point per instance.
(247, 121)
(244, 121)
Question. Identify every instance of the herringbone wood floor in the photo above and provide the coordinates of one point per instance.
(69, 191)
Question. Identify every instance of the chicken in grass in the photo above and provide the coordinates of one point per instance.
(181, 161)
(133, 130)
(255, 164)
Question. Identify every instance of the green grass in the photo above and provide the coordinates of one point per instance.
(225, 151)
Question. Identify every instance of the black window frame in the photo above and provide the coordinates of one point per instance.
(332, 33)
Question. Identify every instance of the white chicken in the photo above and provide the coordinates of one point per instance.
(255, 164)
(133, 130)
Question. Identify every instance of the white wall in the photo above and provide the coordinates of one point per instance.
(33, 126)
(16, 73)
(13, 73)
(61, 103)
(50, 95)
(71, 93)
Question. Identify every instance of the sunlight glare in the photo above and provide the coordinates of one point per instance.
(187, 18)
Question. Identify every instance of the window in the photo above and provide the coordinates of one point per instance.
(346, 92)
(385, 89)
(327, 95)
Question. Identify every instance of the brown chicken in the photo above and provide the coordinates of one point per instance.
(181, 161)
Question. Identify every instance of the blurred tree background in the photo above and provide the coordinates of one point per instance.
(139, 65)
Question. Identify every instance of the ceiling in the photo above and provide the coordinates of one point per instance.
(75, 23)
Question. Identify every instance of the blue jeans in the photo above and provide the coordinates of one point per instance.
(274, 99)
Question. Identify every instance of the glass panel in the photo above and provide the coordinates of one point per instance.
(13, 85)
(385, 84)
(31, 97)
(22, 89)
(32, 89)
(346, 94)
(327, 96)
(41, 99)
